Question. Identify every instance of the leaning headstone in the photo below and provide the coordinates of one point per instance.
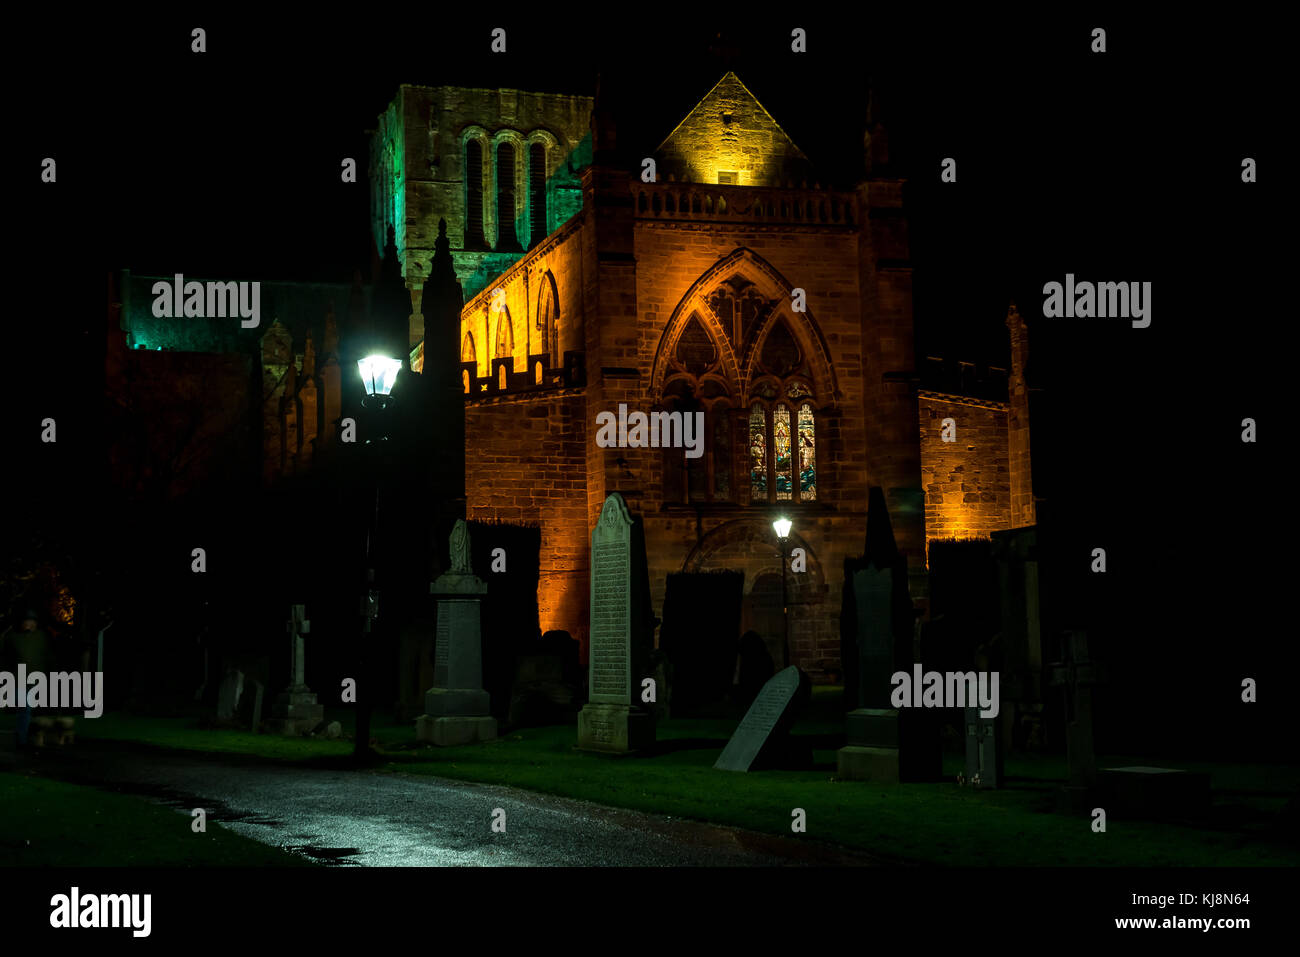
(983, 750)
(228, 694)
(761, 740)
(457, 708)
(296, 711)
(621, 628)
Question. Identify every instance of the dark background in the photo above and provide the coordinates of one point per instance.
(1119, 166)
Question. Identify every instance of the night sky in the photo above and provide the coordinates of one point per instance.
(1123, 167)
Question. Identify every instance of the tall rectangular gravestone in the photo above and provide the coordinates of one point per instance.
(613, 719)
(457, 706)
(880, 628)
(762, 739)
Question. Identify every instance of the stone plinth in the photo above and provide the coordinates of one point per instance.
(457, 708)
(872, 753)
(614, 727)
(856, 763)
(295, 712)
(459, 729)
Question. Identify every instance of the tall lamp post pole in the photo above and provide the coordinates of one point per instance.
(378, 373)
(782, 528)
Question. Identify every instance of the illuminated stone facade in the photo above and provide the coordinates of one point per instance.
(764, 302)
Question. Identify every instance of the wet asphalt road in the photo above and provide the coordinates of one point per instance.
(344, 817)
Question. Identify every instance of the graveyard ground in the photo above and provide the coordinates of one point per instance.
(939, 823)
(47, 823)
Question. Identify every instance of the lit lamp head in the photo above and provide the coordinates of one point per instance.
(782, 528)
(378, 373)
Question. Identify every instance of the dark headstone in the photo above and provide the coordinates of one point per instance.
(250, 704)
(701, 621)
(232, 686)
(1160, 793)
(540, 695)
(756, 666)
(761, 738)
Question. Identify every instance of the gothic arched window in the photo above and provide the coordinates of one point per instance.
(760, 447)
(782, 428)
(505, 343)
(506, 236)
(467, 348)
(474, 195)
(548, 314)
(536, 193)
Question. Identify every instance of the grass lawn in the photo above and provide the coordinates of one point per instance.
(926, 823)
(45, 823)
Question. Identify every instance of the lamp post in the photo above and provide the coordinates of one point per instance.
(378, 373)
(782, 528)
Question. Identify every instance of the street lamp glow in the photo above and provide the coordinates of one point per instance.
(379, 373)
(782, 527)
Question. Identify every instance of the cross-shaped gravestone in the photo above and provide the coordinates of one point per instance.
(296, 710)
(1077, 674)
(297, 626)
(981, 750)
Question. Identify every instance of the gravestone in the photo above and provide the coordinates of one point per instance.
(295, 710)
(1076, 674)
(415, 666)
(1158, 793)
(457, 708)
(879, 622)
(1015, 557)
(701, 621)
(621, 630)
(984, 759)
(228, 694)
(762, 739)
(250, 704)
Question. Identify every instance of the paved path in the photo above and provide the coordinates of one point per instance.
(365, 818)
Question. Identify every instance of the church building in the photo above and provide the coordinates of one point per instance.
(715, 275)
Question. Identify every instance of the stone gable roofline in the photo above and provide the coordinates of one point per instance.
(750, 94)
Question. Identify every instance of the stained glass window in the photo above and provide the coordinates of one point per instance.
(781, 441)
(757, 453)
(807, 455)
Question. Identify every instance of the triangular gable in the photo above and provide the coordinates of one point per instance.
(729, 131)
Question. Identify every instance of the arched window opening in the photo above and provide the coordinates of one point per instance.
(807, 455)
(548, 313)
(537, 230)
(505, 342)
(474, 195)
(506, 236)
